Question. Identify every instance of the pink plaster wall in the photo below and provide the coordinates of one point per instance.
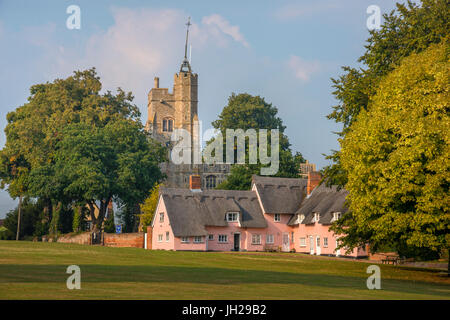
(322, 231)
(162, 228)
(277, 229)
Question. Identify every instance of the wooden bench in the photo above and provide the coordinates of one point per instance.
(391, 259)
(271, 248)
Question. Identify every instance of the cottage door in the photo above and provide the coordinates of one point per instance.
(318, 251)
(286, 242)
(338, 251)
(237, 242)
(311, 244)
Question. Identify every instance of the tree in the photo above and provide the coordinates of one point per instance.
(49, 137)
(240, 178)
(110, 226)
(411, 28)
(116, 162)
(396, 156)
(245, 111)
(78, 218)
(35, 129)
(148, 208)
(30, 211)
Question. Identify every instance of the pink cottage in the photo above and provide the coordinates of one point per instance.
(277, 214)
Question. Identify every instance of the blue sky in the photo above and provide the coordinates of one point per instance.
(285, 51)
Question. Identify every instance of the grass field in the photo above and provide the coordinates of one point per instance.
(36, 270)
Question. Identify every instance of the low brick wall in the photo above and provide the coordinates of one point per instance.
(81, 238)
(135, 240)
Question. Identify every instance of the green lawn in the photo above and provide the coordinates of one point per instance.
(31, 270)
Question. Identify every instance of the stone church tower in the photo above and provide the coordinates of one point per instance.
(179, 110)
(176, 110)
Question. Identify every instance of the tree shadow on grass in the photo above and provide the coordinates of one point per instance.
(13, 273)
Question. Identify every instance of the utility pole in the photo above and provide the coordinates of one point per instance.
(19, 213)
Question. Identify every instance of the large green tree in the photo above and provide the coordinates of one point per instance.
(97, 165)
(58, 122)
(396, 156)
(245, 111)
(411, 28)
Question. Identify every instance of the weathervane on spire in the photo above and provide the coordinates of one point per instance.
(185, 63)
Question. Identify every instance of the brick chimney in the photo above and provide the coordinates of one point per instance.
(195, 182)
(314, 178)
(156, 83)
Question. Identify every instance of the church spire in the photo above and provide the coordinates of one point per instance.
(185, 66)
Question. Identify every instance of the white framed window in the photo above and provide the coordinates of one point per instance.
(198, 239)
(302, 242)
(161, 217)
(167, 236)
(269, 238)
(256, 239)
(223, 238)
(292, 237)
(160, 237)
(232, 216)
(316, 217)
(185, 239)
(336, 216)
(210, 237)
(325, 242)
(318, 241)
(277, 217)
(301, 217)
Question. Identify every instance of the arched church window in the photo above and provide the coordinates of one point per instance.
(210, 182)
(167, 125)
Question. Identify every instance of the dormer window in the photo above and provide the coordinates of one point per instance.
(336, 216)
(277, 217)
(300, 218)
(316, 217)
(232, 216)
(167, 125)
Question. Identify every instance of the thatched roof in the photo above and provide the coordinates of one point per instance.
(323, 200)
(280, 195)
(189, 212)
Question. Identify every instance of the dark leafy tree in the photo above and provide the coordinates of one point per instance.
(245, 111)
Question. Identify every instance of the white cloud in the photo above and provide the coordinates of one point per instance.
(296, 10)
(303, 69)
(140, 44)
(143, 43)
(217, 24)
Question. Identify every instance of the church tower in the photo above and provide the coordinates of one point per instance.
(177, 110)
